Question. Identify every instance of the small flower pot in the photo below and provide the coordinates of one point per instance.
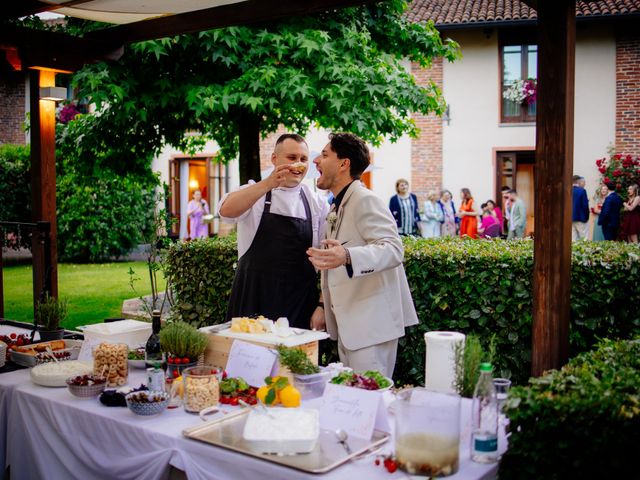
(48, 335)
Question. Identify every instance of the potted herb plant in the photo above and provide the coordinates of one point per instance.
(307, 377)
(468, 357)
(183, 345)
(50, 313)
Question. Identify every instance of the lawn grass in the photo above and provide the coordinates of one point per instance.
(94, 291)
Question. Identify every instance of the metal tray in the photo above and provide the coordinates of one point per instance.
(26, 360)
(226, 432)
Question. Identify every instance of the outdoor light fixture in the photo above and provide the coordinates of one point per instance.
(56, 94)
(193, 184)
(447, 116)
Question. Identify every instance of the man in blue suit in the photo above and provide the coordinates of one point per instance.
(580, 215)
(609, 217)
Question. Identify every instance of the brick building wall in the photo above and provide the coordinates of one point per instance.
(628, 94)
(426, 150)
(12, 107)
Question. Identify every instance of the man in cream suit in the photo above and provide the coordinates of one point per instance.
(365, 291)
(517, 216)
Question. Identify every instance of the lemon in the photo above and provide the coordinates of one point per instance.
(262, 395)
(179, 386)
(290, 396)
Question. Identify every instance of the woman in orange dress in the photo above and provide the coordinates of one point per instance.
(468, 215)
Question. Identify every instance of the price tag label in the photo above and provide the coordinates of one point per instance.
(251, 362)
(354, 410)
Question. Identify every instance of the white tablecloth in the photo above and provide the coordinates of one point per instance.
(51, 434)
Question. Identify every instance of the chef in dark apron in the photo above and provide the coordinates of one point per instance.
(274, 277)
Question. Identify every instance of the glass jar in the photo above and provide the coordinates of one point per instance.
(110, 361)
(427, 432)
(201, 388)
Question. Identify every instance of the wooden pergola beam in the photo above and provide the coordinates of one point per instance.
(23, 8)
(55, 50)
(242, 13)
(554, 167)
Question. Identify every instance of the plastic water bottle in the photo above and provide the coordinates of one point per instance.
(484, 418)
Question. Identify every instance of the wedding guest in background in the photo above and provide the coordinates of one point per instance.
(631, 218)
(495, 211)
(580, 212)
(517, 216)
(598, 198)
(609, 217)
(490, 226)
(196, 209)
(404, 208)
(468, 215)
(506, 208)
(449, 222)
(432, 217)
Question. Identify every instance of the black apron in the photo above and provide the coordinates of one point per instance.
(274, 277)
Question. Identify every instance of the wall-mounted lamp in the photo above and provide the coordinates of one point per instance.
(193, 184)
(447, 116)
(55, 94)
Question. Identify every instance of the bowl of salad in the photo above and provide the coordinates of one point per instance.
(136, 358)
(369, 380)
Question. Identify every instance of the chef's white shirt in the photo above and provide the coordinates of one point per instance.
(284, 201)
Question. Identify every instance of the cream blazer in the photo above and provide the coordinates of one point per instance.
(374, 305)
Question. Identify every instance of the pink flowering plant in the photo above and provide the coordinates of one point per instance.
(68, 112)
(620, 170)
(522, 91)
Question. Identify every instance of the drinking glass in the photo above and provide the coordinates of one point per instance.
(502, 386)
(427, 432)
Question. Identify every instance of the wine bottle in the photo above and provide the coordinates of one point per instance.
(153, 352)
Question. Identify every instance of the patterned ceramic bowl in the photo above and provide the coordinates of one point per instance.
(92, 389)
(147, 403)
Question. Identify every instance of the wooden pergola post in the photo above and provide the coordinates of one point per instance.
(43, 182)
(554, 167)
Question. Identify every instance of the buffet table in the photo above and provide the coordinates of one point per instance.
(48, 433)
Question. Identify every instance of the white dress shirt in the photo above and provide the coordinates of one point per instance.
(284, 201)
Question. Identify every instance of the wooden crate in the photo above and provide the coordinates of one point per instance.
(217, 352)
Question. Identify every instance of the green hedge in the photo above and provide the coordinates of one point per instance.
(201, 273)
(580, 422)
(15, 183)
(481, 287)
(102, 217)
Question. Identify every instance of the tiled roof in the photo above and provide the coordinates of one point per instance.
(448, 12)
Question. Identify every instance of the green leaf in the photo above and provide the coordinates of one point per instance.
(270, 397)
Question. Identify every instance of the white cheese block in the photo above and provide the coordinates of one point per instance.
(55, 374)
(284, 431)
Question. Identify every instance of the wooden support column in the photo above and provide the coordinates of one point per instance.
(43, 181)
(554, 167)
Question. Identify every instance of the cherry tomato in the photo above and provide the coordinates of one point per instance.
(224, 400)
(233, 401)
(252, 401)
(185, 360)
(13, 336)
(224, 374)
(176, 374)
(170, 360)
(252, 390)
